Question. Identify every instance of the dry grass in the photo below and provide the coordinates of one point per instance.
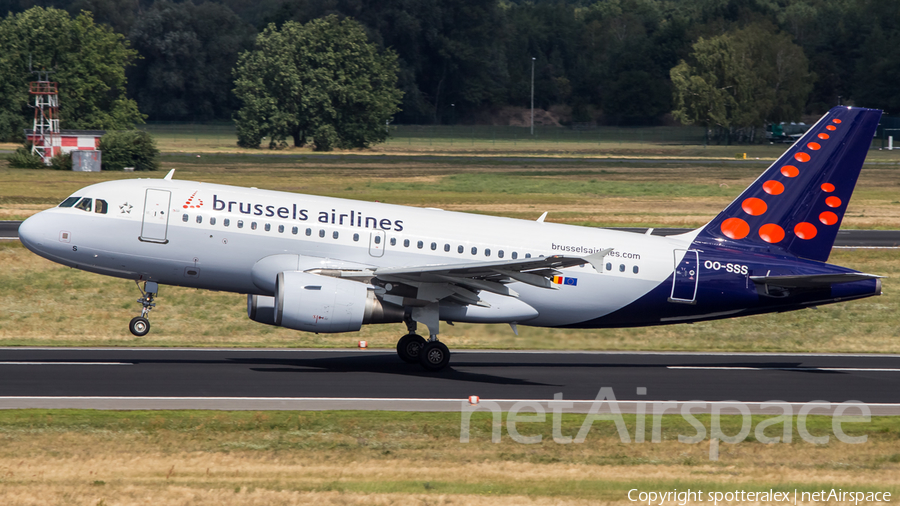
(45, 304)
(78, 457)
(575, 191)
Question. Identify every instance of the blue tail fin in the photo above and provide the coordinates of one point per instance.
(797, 205)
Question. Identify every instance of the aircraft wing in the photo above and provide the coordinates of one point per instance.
(462, 281)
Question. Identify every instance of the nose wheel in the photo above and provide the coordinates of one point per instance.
(140, 325)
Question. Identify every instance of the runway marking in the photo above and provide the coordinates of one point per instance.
(744, 368)
(66, 363)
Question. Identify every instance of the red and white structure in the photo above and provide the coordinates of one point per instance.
(47, 140)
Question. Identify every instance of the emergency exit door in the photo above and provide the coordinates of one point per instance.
(156, 216)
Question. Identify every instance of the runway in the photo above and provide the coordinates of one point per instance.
(377, 379)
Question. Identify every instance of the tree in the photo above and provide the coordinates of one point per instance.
(187, 52)
(87, 60)
(128, 148)
(740, 80)
(320, 82)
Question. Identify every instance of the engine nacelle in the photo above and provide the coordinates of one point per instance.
(261, 308)
(324, 304)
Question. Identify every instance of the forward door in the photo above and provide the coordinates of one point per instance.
(156, 216)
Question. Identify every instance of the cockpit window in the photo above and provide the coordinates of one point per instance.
(100, 206)
(84, 204)
(69, 202)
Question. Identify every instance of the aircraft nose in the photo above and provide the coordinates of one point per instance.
(31, 231)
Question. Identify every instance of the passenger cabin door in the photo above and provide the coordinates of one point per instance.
(687, 273)
(376, 243)
(156, 216)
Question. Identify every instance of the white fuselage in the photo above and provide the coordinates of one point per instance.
(210, 236)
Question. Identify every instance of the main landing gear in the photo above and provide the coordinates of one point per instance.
(140, 325)
(432, 354)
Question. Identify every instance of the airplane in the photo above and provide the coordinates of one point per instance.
(320, 264)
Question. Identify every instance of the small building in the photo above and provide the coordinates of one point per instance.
(69, 140)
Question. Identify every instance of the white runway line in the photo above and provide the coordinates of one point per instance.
(808, 369)
(66, 363)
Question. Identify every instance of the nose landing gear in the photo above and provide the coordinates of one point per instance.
(140, 325)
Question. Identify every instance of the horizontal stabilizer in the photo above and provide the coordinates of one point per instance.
(812, 280)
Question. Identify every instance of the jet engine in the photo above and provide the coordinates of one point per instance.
(324, 304)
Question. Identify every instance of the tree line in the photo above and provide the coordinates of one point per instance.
(722, 63)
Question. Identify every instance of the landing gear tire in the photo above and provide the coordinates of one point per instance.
(434, 356)
(409, 347)
(139, 326)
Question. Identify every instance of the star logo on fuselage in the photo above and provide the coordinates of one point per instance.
(125, 208)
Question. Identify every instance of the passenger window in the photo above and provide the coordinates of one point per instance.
(515, 255)
(280, 229)
(240, 223)
(635, 269)
(85, 204)
(500, 254)
(460, 249)
(393, 241)
(321, 232)
(487, 252)
(199, 219)
(527, 255)
(335, 234)
(100, 206)
(355, 237)
(69, 202)
(621, 267)
(184, 218)
(253, 225)
(609, 266)
(405, 243)
(308, 232)
(295, 230)
(226, 222)
(377, 239)
(268, 227)
(474, 250)
(212, 221)
(433, 246)
(446, 247)
(420, 244)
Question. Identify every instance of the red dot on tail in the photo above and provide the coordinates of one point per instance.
(835, 120)
(823, 136)
(827, 187)
(805, 230)
(790, 171)
(831, 127)
(814, 146)
(801, 157)
(833, 201)
(754, 206)
(771, 233)
(735, 228)
(828, 218)
(773, 187)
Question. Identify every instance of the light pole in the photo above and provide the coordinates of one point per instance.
(532, 97)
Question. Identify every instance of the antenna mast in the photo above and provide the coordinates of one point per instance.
(45, 129)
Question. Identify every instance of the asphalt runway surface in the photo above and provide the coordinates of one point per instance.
(377, 379)
(845, 238)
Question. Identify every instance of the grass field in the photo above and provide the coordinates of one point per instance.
(45, 304)
(349, 458)
(356, 458)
